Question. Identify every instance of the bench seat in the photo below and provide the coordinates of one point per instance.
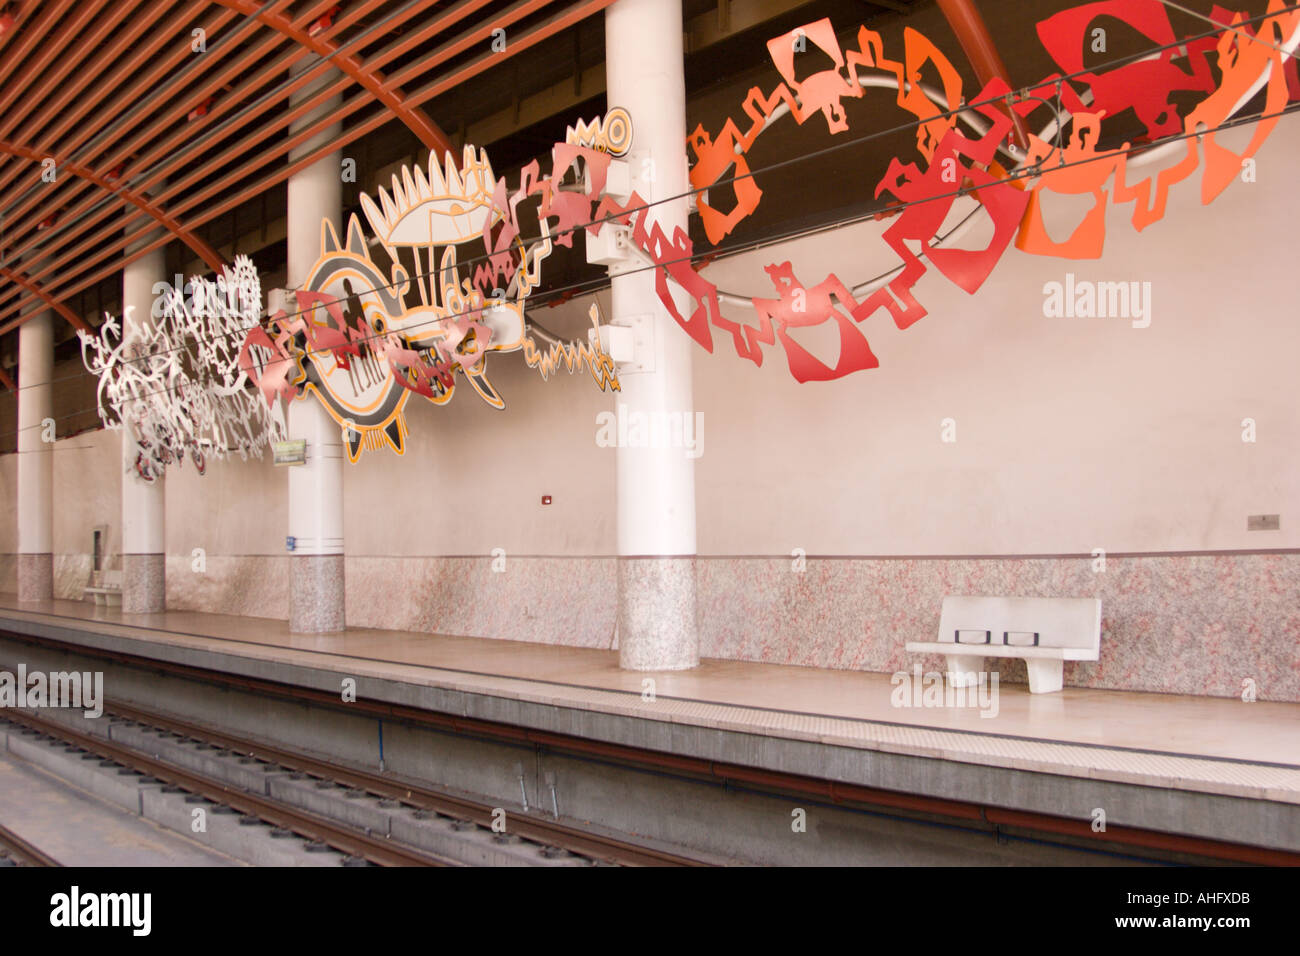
(108, 592)
(1061, 629)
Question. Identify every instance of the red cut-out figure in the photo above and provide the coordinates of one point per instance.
(1146, 85)
(674, 259)
(798, 307)
(930, 195)
(1243, 60)
(330, 336)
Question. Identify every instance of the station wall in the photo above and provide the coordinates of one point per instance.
(1073, 435)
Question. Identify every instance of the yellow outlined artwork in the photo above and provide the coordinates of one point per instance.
(463, 266)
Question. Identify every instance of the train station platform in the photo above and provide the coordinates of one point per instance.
(1215, 768)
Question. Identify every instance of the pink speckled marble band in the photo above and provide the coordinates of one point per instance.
(1183, 624)
(316, 602)
(144, 584)
(35, 577)
(561, 600)
(1178, 624)
(657, 614)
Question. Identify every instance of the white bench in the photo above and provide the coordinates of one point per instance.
(109, 590)
(1046, 632)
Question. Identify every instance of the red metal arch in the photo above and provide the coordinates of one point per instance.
(369, 79)
(143, 203)
(20, 280)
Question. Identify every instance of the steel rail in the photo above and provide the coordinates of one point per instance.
(308, 825)
(22, 852)
(530, 827)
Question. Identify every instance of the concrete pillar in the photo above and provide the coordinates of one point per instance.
(144, 581)
(316, 599)
(35, 458)
(656, 486)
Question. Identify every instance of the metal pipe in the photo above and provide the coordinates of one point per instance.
(973, 35)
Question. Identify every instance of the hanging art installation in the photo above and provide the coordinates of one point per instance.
(175, 381)
(467, 249)
(363, 343)
(1011, 188)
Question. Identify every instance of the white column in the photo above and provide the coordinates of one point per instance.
(316, 600)
(36, 458)
(656, 486)
(144, 582)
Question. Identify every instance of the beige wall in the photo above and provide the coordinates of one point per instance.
(1073, 434)
(88, 491)
(236, 508)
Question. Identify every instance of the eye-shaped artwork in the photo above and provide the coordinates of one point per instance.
(464, 263)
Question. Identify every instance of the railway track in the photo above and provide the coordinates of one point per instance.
(969, 814)
(18, 851)
(310, 826)
(527, 826)
(549, 835)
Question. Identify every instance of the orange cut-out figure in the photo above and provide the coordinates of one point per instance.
(713, 160)
(1243, 61)
(1088, 176)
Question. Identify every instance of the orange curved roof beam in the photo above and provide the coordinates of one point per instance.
(439, 85)
(143, 203)
(267, 130)
(19, 279)
(293, 33)
(367, 77)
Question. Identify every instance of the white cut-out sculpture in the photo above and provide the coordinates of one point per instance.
(174, 379)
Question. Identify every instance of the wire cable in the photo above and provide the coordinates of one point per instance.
(600, 283)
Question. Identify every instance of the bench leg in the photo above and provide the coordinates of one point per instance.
(1045, 677)
(964, 669)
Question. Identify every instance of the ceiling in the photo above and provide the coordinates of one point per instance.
(126, 125)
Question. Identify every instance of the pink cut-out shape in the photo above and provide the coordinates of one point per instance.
(280, 372)
(798, 307)
(819, 92)
(499, 239)
(571, 207)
